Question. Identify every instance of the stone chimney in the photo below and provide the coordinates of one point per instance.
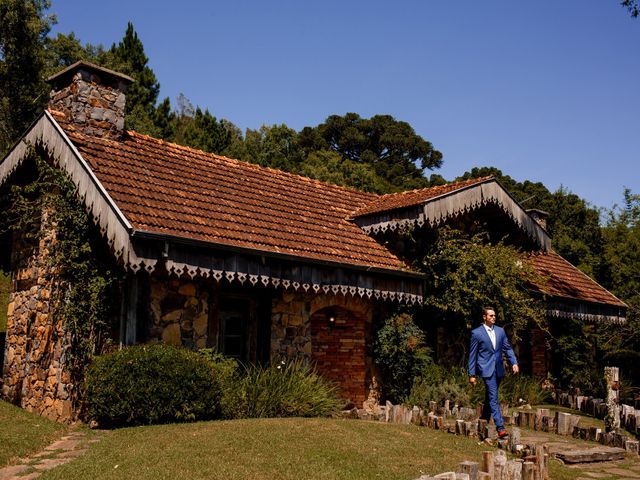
(540, 216)
(92, 98)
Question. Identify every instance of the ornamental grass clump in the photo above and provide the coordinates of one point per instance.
(286, 389)
(147, 384)
(437, 384)
(516, 389)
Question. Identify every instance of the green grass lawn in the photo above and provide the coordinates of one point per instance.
(5, 284)
(291, 448)
(275, 449)
(22, 433)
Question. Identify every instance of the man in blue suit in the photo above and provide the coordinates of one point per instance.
(488, 342)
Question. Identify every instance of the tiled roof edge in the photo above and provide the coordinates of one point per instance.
(381, 198)
(621, 304)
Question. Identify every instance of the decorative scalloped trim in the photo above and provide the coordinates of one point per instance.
(586, 317)
(441, 209)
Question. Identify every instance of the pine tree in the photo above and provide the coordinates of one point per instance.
(129, 58)
(24, 27)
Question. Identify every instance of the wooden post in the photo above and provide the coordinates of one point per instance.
(487, 462)
(612, 420)
(499, 465)
(514, 470)
(459, 427)
(481, 428)
(539, 451)
(528, 471)
(468, 428)
(471, 468)
(484, 476)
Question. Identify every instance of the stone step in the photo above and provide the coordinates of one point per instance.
(587, 455)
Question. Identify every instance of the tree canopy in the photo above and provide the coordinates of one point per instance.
(390, 146)
(465, 273)
(632, 6)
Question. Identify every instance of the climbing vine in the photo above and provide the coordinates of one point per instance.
(46, 214)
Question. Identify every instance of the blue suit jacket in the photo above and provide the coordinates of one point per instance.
(483, 358)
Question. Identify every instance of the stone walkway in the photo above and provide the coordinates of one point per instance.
(626, 469)
(61, 451)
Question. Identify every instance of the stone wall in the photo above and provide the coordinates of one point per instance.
(179, 310)
(34, 373)
(300, 328)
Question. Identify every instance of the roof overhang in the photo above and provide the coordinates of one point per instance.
(438, 210)
(138, 250)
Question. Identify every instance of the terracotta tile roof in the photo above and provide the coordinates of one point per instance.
(411, 198)
(565, 280)
(169, 189)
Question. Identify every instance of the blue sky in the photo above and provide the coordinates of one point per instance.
(546, 91)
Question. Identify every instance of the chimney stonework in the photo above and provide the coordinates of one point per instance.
(92, 98)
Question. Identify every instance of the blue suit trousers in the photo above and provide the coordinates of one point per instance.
(491, 407)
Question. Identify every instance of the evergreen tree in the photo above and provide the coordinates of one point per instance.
(129, 58)
(23, 29)
(64, 50)
(391, 147)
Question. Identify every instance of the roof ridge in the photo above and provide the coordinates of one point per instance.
(409, 198)
(448, 184)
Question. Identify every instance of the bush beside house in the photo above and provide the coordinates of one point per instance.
(158, 383)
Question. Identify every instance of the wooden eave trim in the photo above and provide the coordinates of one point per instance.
(184, 257)
(585, 317)
(437, 210)
(584, 310)
(46, 132)
(276, 255)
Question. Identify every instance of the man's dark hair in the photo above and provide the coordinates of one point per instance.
(485, 310)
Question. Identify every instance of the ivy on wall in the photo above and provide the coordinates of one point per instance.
(45, 213)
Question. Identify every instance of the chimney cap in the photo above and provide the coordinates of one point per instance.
(538, 212)
(92, 68)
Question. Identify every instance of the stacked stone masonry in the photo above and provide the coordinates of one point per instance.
(96, 109)
(179, 311)
(34, 372)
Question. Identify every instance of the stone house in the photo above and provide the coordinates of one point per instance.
(261, 264)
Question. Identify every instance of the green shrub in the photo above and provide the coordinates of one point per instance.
(284, 390)
(437, 384)
(227, 373)
(147, 384)
(401, 354)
